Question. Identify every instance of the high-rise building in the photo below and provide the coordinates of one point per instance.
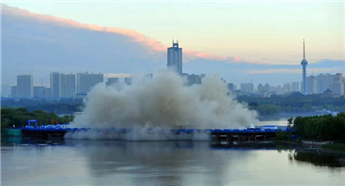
(320, 83)
(112, 81)
(304, 63)
(67, 85)
(175, 58)
(311, 85)
(55, 84)
(25, 87)
(86, 81)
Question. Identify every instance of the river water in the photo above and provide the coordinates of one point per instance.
(109, 162)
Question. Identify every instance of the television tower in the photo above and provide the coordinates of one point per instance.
(304, 63)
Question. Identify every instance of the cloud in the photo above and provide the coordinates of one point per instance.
(136, 36)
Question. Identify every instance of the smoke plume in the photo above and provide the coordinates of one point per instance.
(164, 101)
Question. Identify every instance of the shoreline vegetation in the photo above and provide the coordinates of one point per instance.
(18, 117)
(326, 132)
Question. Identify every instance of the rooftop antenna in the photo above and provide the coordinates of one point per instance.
(303, 49)
(177, 39)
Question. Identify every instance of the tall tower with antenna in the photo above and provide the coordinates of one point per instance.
(304, 63)
(175, 57)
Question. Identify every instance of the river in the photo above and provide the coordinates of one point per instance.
(109, 162)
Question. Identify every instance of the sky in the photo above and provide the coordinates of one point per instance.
(241, 41)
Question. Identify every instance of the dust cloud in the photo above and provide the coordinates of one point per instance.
(164, 101)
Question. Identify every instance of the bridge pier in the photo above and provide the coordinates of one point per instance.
(230, 136)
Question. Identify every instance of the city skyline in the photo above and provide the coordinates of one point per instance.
(79, 84)
(59, 42)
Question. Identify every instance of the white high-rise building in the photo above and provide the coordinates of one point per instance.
(25, 86)
(67, 85)
(55, 84)
(86, 81)
(175, 58)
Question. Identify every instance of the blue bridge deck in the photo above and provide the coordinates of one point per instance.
(47, 131)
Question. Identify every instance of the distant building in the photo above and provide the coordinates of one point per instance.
(175, 58)
(287, 87)
(311, 85)
(55, 84)
(231, 86)
(337, 87)
(47, 93)
(193, 78)
(278, 90)
(318, 84)
(25, 88)
(128, 80)
(247, 88)
(86, 81)
(267, 87)
(261, 88)
(39, 92)
(295, 86)
(112, 81)
(68, 85)
(14, 92)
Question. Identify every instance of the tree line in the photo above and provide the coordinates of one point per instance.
(62, 106)
(18, 117)
(323, 128)
(294, 103)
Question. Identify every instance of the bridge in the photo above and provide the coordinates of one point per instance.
(229, 136)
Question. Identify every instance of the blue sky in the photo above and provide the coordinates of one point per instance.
(239, 41)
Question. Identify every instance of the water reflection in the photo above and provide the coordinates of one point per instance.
(318, 157)
(102, 162)
(158, 163)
